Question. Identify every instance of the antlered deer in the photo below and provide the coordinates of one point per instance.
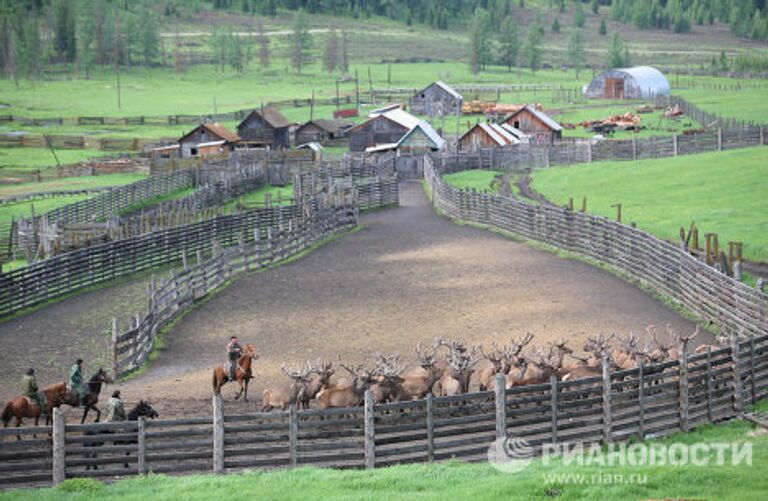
(282, 396)
(418, 381)
(349, 396)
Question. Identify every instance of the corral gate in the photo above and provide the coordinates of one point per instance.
(409, 167)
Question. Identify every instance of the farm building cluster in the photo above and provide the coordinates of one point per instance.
(397, 128)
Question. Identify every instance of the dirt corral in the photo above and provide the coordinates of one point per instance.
(408, 275)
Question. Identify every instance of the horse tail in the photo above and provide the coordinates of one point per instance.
(7, 413)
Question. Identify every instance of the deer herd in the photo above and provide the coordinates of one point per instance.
(390, 380)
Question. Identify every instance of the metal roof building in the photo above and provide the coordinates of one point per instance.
(640, 82)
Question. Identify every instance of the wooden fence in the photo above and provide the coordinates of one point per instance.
(291, 236)
(668, 270)
(75, 142)
(649, 401)
(523, 157)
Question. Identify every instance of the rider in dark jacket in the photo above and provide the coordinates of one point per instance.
(234, 351)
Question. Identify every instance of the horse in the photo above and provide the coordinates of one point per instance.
(22, 407)
(242, 373)
(142, 409)
(72, 398)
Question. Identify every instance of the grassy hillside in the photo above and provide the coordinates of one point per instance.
(724, 193)
(454, 480)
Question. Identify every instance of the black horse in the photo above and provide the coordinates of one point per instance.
(142, 409)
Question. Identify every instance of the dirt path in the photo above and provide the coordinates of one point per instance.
(409, 275)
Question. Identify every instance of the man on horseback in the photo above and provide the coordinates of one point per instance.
(234, 351)
(115, 408)
(30, 390)
(76, 381)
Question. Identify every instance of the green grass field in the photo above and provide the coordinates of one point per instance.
(724, 193)
(281, 195)
(455, 480)
(32, 159)
(480, 180)
(69, 183)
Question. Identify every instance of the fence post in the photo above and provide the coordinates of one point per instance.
(370, 434)
(674, 144)
(752, 366)
(430, 429)
(114, 348)
(142, 452)
(500, 390)
(641, 399)
(293, 435)
(719, 139)
(59, 449)
(218, 435)
(634, 148)
(606, 400)
(762, 135)
(553, 390)
(682, 382)
(738, 401)
(710, 417)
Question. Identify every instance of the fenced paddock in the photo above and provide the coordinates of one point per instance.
(650, 401)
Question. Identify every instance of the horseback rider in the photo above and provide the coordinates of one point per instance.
(115, 408)
(76, 381)
(234, 351)
(30, 390)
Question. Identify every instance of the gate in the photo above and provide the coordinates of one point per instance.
(408, 167)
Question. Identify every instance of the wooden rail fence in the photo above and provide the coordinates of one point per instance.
(650, 401)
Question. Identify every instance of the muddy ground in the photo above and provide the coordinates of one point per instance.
(408, 275)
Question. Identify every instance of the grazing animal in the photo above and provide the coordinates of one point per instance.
(462, 362)
(283, 396)
(349, 396)
(71, 398)
(418, 381)
(243, 374)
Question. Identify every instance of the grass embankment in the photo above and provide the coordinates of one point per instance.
(482, 180)
(280, 195)
(69, 183)
(455, 480)
(723, 193)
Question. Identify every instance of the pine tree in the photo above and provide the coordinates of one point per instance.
(532, 47)
(578, 14)
(555, 26)
(149, 42)
(301, 43)
(87, 52)
(508, 43)
(595, 5)
(479, 41)
(65, 39)
(615, 57)
(576, 53)
(330, 54)
(603, 28)
(344, 52)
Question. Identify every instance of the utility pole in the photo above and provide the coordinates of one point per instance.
(312, 106)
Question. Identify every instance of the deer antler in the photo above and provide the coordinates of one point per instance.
(297, 374)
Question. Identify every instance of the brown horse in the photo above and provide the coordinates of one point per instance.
(21, 407)
(242, 373)
(72, 398)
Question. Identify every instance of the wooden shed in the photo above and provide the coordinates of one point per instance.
(486, 135)
(324, 131)
(388, 129)
(207, 139)
(265, 127)
(536, 124)
(439, 99)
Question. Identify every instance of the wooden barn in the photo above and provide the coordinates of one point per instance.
(641, 82)
(207, 139)
(486, 135)
(391, 130)
(265, 127)
(324, 131)
(438, 99)
(536, 124)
